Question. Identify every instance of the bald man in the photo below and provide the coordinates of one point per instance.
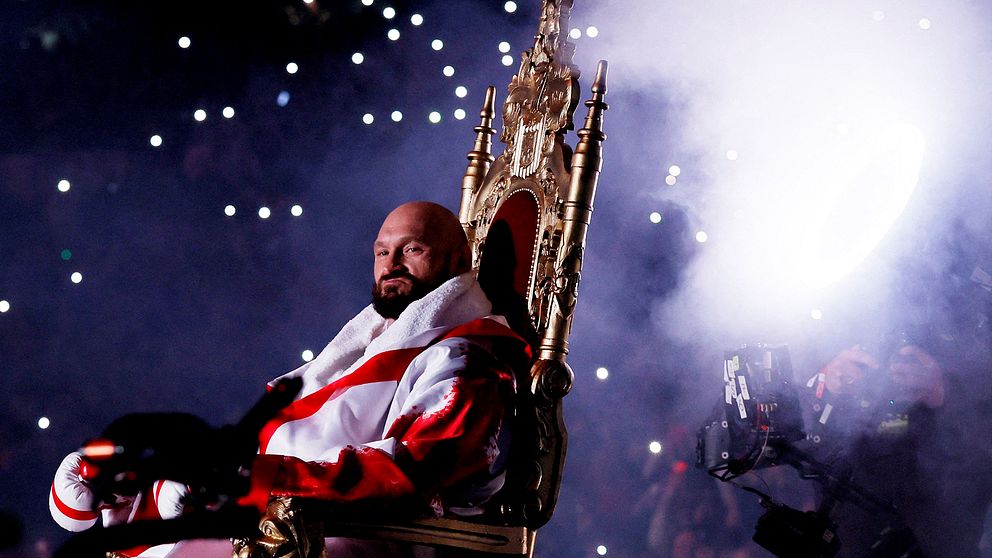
(408, 402)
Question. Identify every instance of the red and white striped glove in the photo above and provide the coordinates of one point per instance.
(71, 500)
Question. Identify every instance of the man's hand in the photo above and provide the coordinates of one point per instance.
(844, 374)
(918, 375)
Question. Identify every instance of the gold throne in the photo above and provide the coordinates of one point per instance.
(526, 214)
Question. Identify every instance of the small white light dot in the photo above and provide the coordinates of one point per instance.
(358, 58)
(732, 154)
(671, 180)
(601, 550)
(292, 68)
(655, 447)
(437, 44)
(199, 115)
(674, 170)
(308, 1)
(816, 314)
(296, 210)
(76, 277)
(702, 237)
(396, 116)
(155, 140)
(434, 117)
(283, 98)
(230, 210)
(368, 118)
(924, 24)
(264, 212)
(655, 217)
(4, 306)
(307, 355)
(388, 12)
(367, 2)
(510, 7)
(504, 47)
(602, 373)
(417, 19)
(184, 42)
(459, 114)
(63, 185)
(575, 33)
(507, 60)
(878, 15)
(448, 71)
(44, 423)
(461, 91)
(228, 112)
(592, 31)
(393, 34)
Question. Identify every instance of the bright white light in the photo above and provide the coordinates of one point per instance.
(283, 98)
(434, 117)
(44, 423)
(504, 47)
(388, 12)
(76, 277)
(367, 2)
(199, 115)
(228, 112)
(307, 355)
(396, 116)
(230, 210)
(592, 31)
(853, 213)
(924, 24)
(674, 170)
(732, 155)
(357, 58)
(702, 237)
(292, 68)
(393, 34)
(461, 91)
(671, 180)
(816, 314)
(602, 373)
(459, 114)
(184, 42)
(296, 210)
(878, 15)
(4, 306)
(63, 185)
(308, 1)
(155, 140)
(575, 33)
(417, 19)
(368, 118)
(448, 71)
(655, 447)
(601, 550)
(507, 60)
(655, 217)
(437, 44)
(510, 7)
(264, 212)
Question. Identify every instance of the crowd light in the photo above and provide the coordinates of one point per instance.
(44, 423)
(63, 185)
(66, 255)
(417, 19)
(575, 33)
(507, 60)
(732, 155)
(816, 314)
(434, 117)
(388, 12)
(264, 212)
(671, 180)
(602, 373)
(592, 31)
(393, 34)
(357, 58)
(459, 114)
(510, 7)
(4, 306)
(184, 42)
(924, 24)
(367, 118)
(283, 98)
(307, 355)
(655, 447)
(230, 210)
(674, 170)
(367, 2)
(504, 47)
(155, 140)
(461, 91)
(199, 115)
(228, 112)
(437, 44)
(292, 68)
(296, 210)
(601, 550)
(655, 217)
(448, 71)
(76, 277)
(396, 116)
(702, 237)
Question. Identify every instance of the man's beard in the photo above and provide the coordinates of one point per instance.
(391, 304)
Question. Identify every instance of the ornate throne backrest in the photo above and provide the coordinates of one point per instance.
(526, 214)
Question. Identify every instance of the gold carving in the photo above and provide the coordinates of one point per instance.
(283, 535)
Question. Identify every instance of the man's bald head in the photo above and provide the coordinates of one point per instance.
(420, 246)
